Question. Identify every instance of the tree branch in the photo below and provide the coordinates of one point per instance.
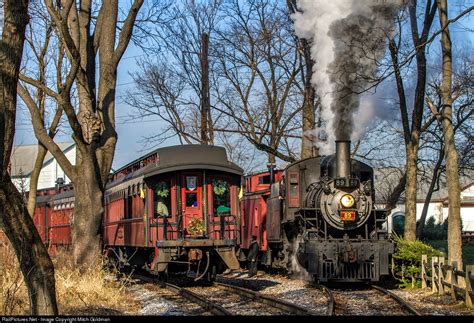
(42, 135)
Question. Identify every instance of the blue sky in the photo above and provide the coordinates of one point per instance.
(129, 132)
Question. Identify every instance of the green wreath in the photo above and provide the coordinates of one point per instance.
(162, 189)
(196, 226)
(219, 186)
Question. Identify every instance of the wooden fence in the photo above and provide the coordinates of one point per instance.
(447, 279)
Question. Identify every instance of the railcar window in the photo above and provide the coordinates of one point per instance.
(220, 197)
(191, 200)
(264, 179)
(162, 199)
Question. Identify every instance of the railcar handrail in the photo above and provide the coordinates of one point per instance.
(154, 222)
(225, 222)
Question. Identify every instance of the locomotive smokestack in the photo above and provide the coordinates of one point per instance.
(343, 158)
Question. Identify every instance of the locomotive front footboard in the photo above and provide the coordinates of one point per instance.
(346, 260)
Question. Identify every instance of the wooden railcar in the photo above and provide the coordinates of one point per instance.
(52, 216)
(254, 210)
(60, 209)
(175, 207)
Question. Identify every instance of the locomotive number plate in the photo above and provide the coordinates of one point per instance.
(348, 215)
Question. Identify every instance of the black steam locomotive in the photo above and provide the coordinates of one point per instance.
(321, 215)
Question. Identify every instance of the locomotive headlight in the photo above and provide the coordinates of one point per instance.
(347, 200)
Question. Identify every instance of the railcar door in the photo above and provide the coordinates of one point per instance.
(192, 210)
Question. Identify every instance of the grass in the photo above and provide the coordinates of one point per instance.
(467, 250)
(93, 291)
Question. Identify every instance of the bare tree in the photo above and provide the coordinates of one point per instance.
(176, 85)
(258, 65)
(433, 139)
(412, 130)
(93, 122)
(451, 155)
(310, 104)
(35, 264)
(39, 42)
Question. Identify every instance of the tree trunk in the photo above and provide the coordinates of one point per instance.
(395, 194)
(308, 148)
(434, 180)
(34, 178)
(205, 100)
(35, 264)
(410, 192)
(88, 211)
(451, 155)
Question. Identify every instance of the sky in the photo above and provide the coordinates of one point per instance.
(130, 133)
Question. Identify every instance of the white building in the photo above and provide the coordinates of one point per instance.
(438, 207)
(23, 160)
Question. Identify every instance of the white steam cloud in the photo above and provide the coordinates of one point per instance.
(299, 272)
(348, 38)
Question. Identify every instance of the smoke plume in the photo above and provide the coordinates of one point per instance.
(348, 39)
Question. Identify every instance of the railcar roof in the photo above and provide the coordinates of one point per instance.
(182, 157)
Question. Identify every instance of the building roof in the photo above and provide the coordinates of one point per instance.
(389, 176)
(23, 158)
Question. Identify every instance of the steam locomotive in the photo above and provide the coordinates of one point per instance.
(318, 214)
(180, 208)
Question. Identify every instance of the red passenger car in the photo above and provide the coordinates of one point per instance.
(54, 207)
(175, 207)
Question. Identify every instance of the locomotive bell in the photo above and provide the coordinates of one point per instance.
(343, 158)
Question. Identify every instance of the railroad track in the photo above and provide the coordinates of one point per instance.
(224, 299)
(398, 299)
(266, 299)
(365, 302)
(330, 306)
(201, 300)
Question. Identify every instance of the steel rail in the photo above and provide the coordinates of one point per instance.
(208, 305)
(269, 300)
(331, 302)
(400, 300)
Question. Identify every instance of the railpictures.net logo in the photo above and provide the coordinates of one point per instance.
(54, 319)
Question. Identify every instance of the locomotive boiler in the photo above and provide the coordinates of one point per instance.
(319, 213)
